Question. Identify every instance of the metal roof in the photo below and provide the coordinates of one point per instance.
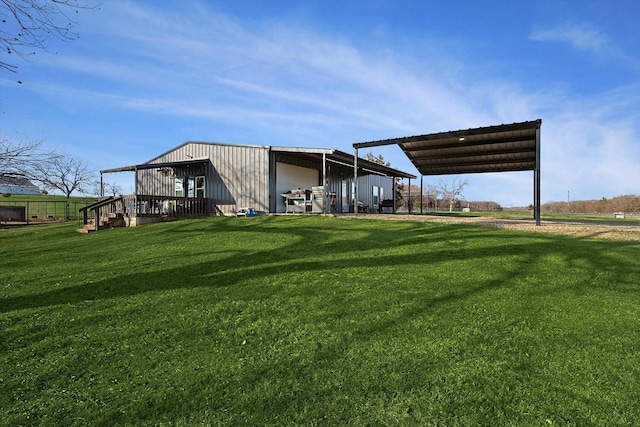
(501, 148)
(315, 154)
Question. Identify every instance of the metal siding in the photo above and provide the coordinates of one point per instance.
(237, 177)
(365, 188)
(241, 179)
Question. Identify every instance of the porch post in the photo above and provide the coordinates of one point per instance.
(355, 182)
(393, 194)
(324, 183)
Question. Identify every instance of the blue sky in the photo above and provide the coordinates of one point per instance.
(146, 76)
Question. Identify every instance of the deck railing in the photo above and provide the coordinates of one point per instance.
(145, 205)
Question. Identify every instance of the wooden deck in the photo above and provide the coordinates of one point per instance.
(134, 209)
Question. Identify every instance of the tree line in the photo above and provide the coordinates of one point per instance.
(624, 203)
(444, 197)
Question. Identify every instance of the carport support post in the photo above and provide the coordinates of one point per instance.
(355, 182)
(421, 192)
(536, 180)
(409, 202)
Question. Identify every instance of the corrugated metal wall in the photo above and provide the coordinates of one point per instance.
(365, 189)
(237, 176)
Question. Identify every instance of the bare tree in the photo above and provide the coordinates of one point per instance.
(18, 158)
(452, 189)
(431, 194)
(64, 173)
(112, 189)
(27, 25)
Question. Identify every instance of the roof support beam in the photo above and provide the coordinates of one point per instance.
(469, 141)
(488, 151)
(474, 162)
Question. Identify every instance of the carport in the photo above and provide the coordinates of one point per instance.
(502, 148)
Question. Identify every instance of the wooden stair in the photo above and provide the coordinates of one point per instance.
(87, 228)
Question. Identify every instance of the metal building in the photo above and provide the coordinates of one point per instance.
(199, 178)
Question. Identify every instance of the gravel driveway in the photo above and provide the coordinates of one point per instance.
(585, 229)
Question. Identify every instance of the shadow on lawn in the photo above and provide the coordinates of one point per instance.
(326, 256)
(313, 248)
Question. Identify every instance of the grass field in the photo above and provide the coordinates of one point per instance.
(316, 321)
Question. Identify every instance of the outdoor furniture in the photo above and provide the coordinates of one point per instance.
(246, 212)
(386, 203)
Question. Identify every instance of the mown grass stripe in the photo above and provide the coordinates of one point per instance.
(316, 321)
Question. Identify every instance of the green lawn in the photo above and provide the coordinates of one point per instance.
(316, 321)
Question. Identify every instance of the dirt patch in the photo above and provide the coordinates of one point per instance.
(32, 221)
(572, 228)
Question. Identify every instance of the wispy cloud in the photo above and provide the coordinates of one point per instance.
(580, 36)
(292, 73)
(290, 85)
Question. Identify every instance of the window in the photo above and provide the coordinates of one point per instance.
(200, 187)
(376, 190)
(190, 186)
(345, 197)
(179, 186)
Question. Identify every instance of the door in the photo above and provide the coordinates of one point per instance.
(345, 197)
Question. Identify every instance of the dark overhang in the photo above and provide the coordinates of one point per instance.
(344, 159)
(158, 165)
(501, 148)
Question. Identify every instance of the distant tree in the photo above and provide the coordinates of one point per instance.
(484, 206)
(24, 158)
(64, 173)
(112, 189)
(451, 190)
(431, 194)
(27, 25)
(411, 197)
(379, 159)
(623, 203)
(399, 192)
